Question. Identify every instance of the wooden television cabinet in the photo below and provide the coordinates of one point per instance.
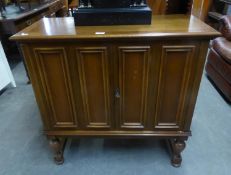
(117, 81)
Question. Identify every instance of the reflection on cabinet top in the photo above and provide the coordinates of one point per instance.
(162, 26)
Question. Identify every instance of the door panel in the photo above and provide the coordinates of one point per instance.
(175, 69)
(133, 84)
(54, 75)
(93, 70)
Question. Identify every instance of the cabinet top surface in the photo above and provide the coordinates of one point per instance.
(164, 26)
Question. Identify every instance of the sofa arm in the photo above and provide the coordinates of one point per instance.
(226, 27)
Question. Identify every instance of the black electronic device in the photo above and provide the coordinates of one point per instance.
(112, 12)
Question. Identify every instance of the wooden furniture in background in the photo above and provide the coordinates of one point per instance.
(201, 8)
(158, 7)
(14, 22)
(170, 6)
(18, 21)
(113, 81)
(198, 8)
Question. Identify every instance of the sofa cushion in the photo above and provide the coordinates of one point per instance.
(219, 81)
(223, 47)
(220, 65)
(226, 27)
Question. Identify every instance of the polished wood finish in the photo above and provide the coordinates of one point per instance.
(133, 79)
(177, 146)
(94, 85)
(162, 27)
(58, 146)
(176, 64)
(117, 81)
(58, 91)
(158, 7)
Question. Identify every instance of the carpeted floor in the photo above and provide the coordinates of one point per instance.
(24, 149)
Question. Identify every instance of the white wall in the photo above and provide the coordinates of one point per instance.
(6, 76)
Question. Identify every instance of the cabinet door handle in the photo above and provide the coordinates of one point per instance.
(117, 93)
(28, 22)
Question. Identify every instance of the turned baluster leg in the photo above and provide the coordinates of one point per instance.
(58, 145)
(177, 145)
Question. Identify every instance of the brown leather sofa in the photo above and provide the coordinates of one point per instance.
(218, 65)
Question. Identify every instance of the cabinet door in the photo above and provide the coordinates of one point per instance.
(176, 64)
(54, 79)
(93, 72)
(133, 85)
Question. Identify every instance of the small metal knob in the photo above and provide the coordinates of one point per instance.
(28, 22)
(117, 93)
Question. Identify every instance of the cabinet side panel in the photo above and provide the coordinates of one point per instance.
(36, 84)
(175, 69)
(94, 82)
(133, 84)
(53, 70)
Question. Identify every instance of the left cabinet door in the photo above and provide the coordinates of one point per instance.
(92, 76)
(53, 76)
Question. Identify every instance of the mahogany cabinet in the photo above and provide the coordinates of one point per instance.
(117, 81)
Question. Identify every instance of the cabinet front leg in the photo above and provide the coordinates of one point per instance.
(177, 146)
(58, 145)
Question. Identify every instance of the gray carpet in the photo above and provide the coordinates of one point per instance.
(24, 149)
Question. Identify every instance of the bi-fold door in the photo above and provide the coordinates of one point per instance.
(113, 86)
